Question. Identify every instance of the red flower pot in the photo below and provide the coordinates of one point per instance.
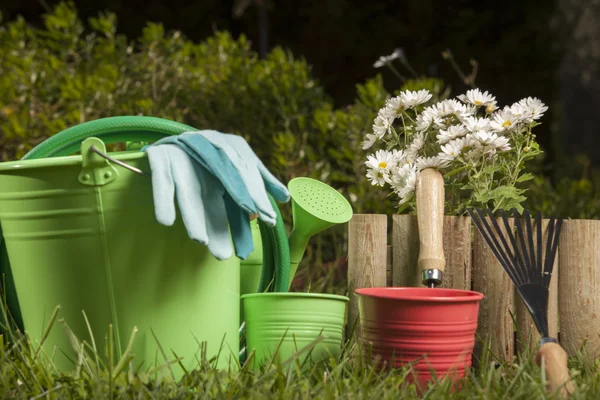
(432, 328)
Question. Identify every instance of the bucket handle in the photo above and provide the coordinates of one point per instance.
(119, 162)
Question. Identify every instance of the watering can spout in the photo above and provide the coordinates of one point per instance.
(316, 207)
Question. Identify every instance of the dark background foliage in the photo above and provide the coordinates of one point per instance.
(518, 52)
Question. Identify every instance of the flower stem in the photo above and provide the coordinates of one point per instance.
(395, 71)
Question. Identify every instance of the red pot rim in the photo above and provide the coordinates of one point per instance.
(442, 295)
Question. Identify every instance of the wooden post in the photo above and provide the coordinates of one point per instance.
(389, 266)
(579, 286)
(495, 325)
(405, 250)
(527, 333)
(457, 251)
(367, 260)
(457, 248)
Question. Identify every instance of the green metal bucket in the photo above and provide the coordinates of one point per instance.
(251, 267)
(81, 233)
(278, 325)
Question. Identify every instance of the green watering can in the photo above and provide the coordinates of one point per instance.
(80, 232)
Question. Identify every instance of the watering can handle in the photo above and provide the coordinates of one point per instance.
(110, 130)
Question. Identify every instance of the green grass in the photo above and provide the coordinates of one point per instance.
(28, 373)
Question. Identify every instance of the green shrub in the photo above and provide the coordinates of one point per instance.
(69, 72)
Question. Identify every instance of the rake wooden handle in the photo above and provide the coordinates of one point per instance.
(555, 360)
(430, 217)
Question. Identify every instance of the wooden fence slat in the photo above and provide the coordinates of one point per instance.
(388, 266)
(367, 260)
(457, 251)
(405, 250)
(579, 286)
(527, 333)
(495, 325)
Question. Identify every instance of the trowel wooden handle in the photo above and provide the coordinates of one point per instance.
(555, 360)
(430, 217)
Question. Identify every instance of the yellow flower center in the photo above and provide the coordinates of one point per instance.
(478, 103)
(383, 164)
(506, 123)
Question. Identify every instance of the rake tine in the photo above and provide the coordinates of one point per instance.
(494, 236)
(547, 272)
(518, 257)
(503, 239)
(531, 249)
(557, 232)
(487, 234)
(521, 236)
(539, 264)
(479, 222)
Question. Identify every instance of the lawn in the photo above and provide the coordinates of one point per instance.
(27, 373)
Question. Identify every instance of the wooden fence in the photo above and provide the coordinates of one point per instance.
(574, 306)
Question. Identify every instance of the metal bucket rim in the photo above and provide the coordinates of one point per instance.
(296, 295)
(65, 161)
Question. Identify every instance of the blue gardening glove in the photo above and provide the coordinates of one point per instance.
(255, 175)
(173, 174)
(220, 166)
(199, 197)
(239, 219)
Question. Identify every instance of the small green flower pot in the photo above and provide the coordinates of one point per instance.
(280, 324)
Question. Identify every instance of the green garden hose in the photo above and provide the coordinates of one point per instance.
(109, 130)
(276, 254)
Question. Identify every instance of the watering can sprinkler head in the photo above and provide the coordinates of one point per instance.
(316, 207)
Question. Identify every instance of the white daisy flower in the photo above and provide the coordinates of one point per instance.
(534, 107)
(382, 159)
(503, 120)
(452, 149)
(431, 162)
(453, 132)
(389, 112)
(377, 177)
(394, 107)
(491, 108)
(491, 141)
(447, 108)
(470, 111)
(369, 141)
(399, 157)
(475, 153)
(415, 146)
(474, 124)
(414, 98)
(477, 98)
(425, 119)
(379, 166)
(381, 126)
(404, 181)
(519, 111)
(384, 60)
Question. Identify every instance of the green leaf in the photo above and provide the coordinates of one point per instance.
(525, 177)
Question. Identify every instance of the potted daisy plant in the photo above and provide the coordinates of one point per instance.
(480, 149)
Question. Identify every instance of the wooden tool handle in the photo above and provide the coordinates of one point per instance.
(555, 360)
(430, 217)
